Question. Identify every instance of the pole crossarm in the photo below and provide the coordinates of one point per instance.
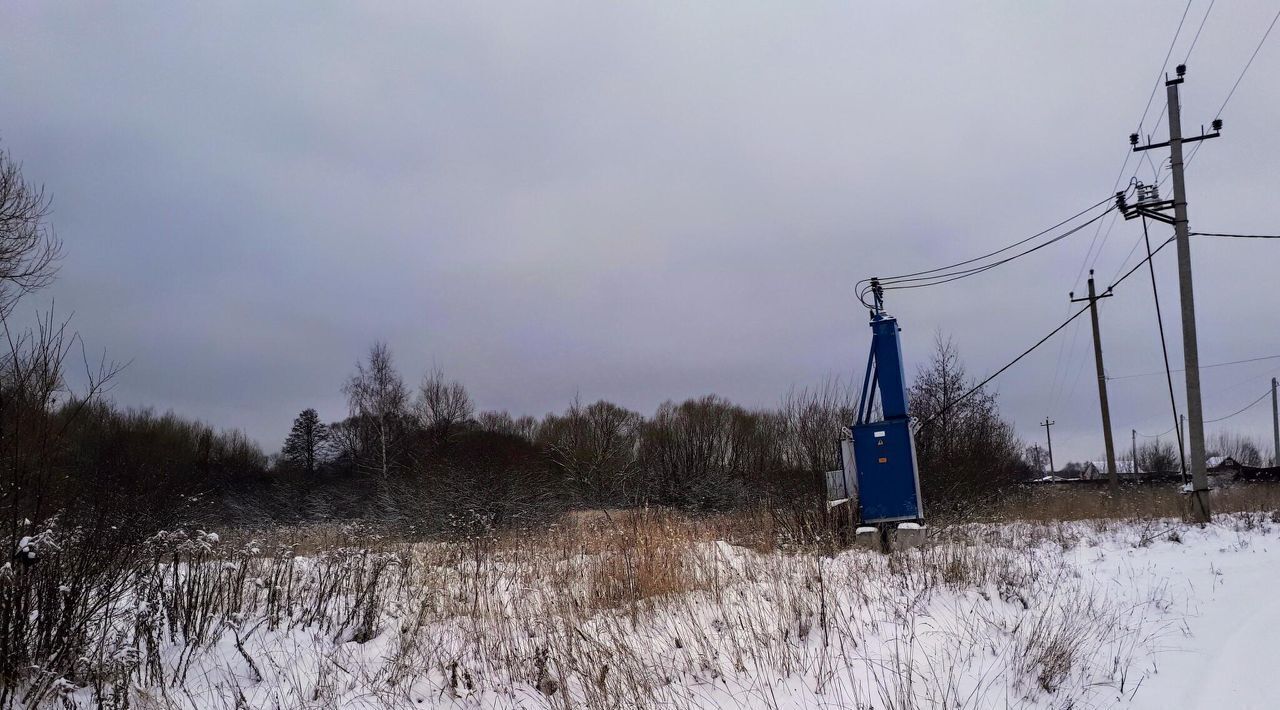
(1166, 144)
(1152, 209)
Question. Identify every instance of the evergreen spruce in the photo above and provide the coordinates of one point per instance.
(308, 443)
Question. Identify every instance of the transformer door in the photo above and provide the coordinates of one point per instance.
(888, 484)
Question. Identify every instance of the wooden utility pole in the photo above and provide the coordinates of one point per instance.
(1190, 349)
(1112, 479)
(1046, 424)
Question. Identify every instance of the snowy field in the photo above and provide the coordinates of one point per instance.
(660, 611)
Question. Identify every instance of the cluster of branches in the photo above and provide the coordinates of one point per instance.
(425, 454)
(1161, 455)
(1160, 459)
(72, 466)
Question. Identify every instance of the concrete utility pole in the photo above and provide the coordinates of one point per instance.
(1182, 438)
(1275, 426)
(1046, 424)
(1190, 349)
(1133, 436)
(1112, 478)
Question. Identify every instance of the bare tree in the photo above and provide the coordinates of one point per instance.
(1238, 446)
(816, 419)
(1037, 458)
(525, 427)
(441, 405)
(1157, 457)
(595, 448)
(703, 452)
(29, 249)
(379, 402)
(965, 450)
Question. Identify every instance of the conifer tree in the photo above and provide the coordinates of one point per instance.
(308, 442)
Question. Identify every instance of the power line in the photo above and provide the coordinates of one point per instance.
(1242, 410)
(1248, 64)
(921, 281)
(1202, 367)
(1236, 236)
(1164, 64)
(1156, 436)
(1154, 87)
(1198, 31)
(1185, 59)
(1164, 348)
(1127, 154)
(950, 269)
(1160, 181)
(1041, 341)
(1057, 366)
(910, 282)
(1127, 257)
(1196, 150)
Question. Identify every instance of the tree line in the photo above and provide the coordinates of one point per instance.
(426, 453)
(420, 454)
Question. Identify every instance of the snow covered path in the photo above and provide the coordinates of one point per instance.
(1227, 657)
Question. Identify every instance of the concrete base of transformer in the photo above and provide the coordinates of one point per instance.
(867, 537)
(906, 536)
(887, 537)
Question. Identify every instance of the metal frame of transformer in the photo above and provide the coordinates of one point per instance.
(883, 452)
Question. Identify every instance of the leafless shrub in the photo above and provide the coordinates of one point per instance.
(29, 249)
(596, 448)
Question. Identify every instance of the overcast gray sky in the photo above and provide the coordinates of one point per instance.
(631, 201)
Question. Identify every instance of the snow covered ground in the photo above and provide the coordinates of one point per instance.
(1152, 614)
(1224, 653)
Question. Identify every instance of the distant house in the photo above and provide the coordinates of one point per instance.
(1095, 470)
(1217, 464)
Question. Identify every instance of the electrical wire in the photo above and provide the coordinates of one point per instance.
(1156, 436)
(1196, 150)
(1202, 367)
(1241, 410)
(1185, 59)
(1164, 64)
(947, 407)
(1057, 367)
(1119, 176)
(1198, 31)
(1248, 64)
(1164, 348)
(864, 286)
(1129, 153)
(1235, 236)
(1127, 257)
(913, 281)
(1155, 87)
(922, 281)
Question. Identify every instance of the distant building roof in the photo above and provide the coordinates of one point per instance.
(1220, 462)
(1096, 469)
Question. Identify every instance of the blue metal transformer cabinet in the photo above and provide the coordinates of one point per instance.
(888, 487)
(884, 451)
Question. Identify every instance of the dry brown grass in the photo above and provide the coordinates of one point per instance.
(1057, 502)
(639, 608)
